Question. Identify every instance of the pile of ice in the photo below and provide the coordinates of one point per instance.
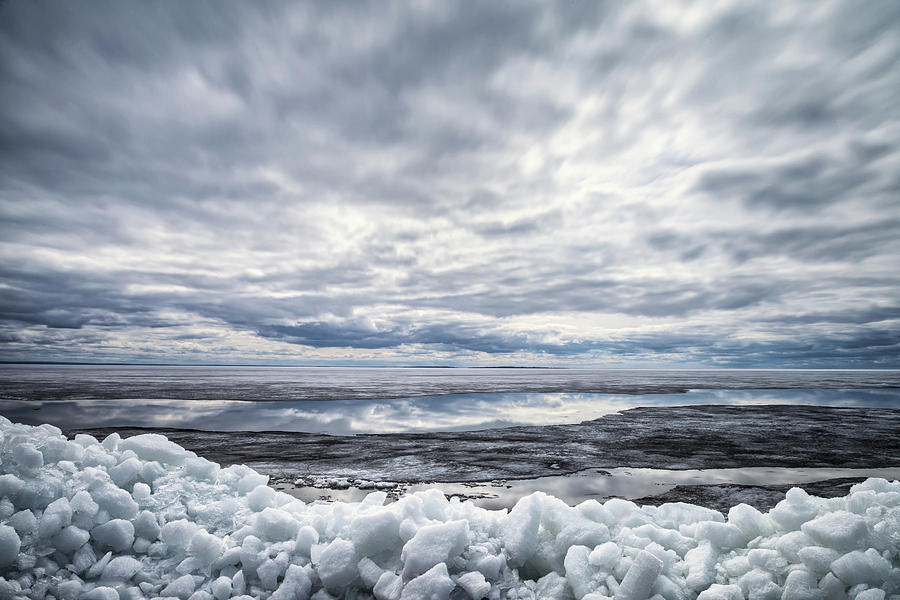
(144, 518)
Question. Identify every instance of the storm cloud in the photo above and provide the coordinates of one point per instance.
(571, 183)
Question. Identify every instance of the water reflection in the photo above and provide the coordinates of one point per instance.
(601, 484)
(459, 412)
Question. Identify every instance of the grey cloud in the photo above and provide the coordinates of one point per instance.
(455, 178)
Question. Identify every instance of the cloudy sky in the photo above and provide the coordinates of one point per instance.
(553, 183)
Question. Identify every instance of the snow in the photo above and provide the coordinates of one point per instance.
(143, 518)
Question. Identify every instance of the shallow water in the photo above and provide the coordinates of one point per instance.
(453, 412)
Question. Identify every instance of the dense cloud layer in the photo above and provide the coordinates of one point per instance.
(501, 182)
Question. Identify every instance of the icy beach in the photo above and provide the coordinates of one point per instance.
(141, 517)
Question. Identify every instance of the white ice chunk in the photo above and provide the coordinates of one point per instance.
(10, 485)
(125, 472)
(306, 537)
(818, 559)
(101, 593)
(182, 587)
(206, 548)
(861, 567)
(295, 586)
(433, 584)
(141, 492)
(797, 508)
(28, 457)
(146, 526)
(200, 468)
(9, 545)
(389, 587)
(117, 502)
(83, 504)
(474, 584)
(640, 577)
(369, 571)
(722, 535)
(118, 534)
(250, 481)
(841, 530)
(120, 568)
(221, 588)
(520, 529)
(70, 539)
(177, 534)
(23, 521)
(375, 531)
(433, 544)
(337, 565)
(718, 591)
(871, 594)
(800, 585)
(605, 556)
(152, 446)
(68, 590)
(56, 516)
(579, 572)
(276, 525)
(262, 496)
(750, 521)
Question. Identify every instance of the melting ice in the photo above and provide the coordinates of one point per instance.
(143, 518)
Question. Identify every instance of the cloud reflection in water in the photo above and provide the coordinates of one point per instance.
(463, 412)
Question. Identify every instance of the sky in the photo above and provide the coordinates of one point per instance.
(572, 183)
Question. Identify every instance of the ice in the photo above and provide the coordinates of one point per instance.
(276, 525)
(474, 584)
(221, 588)
(801, 585)
(861, 567)
(261, 497)
(296, 585)
(375, 531)
(121, 568)
(433, 584)
(337, 565)
(142, 518)
(125, 472)
(70, 539)
(56, 516)
(182, 587)
(640, 577)
(29, 458)
(723, 535)
(433, 544)
(520, 529)
(306, 537)
(102, 593)
(117, 534)
(840, 529)
(9, 545)
(23, 521)
(718, 591)
(177, 534)
(388, 587)
(818, 559)
(206, 548)
(605, 556)
(155, 447)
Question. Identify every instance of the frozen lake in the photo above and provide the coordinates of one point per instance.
(671, 434)
(343, 400)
